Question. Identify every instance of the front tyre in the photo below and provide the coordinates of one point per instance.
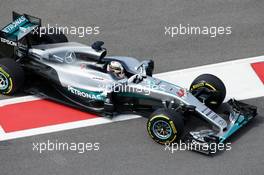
(209, 89)
(11, 76)
(165, 126)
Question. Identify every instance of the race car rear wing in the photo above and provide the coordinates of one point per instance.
(20, 27)
(11, 34)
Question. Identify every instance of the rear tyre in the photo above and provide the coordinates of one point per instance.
(53, 36)
(11, 76)
(209, 89)
(165, 126)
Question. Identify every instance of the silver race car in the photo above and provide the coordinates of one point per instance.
(85, 78)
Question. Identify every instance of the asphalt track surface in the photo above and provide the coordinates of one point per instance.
(136, 28)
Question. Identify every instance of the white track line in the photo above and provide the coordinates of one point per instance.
(18, 100)
(240, 80)
(63, 127)
(2, 132)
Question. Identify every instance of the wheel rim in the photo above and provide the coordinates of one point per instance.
(162, 129)
(3, 82)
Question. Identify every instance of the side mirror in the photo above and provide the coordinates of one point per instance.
(97, 45)
(150, 67)
(146, 67)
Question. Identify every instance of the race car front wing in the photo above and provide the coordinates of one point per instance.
(240, 114)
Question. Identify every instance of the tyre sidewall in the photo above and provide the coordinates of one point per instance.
(211, 83)
(9, 89)
(15, 75)
(165, 118)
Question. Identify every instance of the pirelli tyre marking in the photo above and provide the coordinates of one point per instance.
(160, 127)
(6, 83)
(196, 86)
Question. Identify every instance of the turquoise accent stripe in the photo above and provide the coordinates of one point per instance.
(12, 27)
(242, 120)
(98, 94)
(19, 28)
(20, 33)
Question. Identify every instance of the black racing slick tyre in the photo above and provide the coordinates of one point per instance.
(52, 36)
(209, 89)
(11, 76)
(165, 126)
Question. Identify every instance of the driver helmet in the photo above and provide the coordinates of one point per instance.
(116, 68)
